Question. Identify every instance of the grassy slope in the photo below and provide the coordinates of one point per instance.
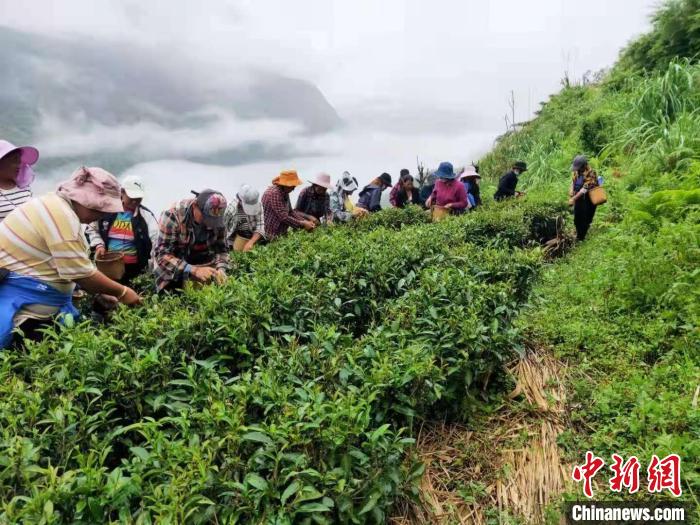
(623, 308)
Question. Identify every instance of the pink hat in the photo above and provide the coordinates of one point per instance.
(323, 180)
(470, 171)
(30, 155)
(93, 188)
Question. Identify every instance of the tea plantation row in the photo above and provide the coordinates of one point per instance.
(288, 395)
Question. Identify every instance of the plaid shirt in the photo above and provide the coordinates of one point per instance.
(237, 221)
(313, 204)
(394, 194)
(175, 242)
(278, 212)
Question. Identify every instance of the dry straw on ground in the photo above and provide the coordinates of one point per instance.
(514, 458)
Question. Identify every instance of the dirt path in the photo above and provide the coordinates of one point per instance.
(509, 466)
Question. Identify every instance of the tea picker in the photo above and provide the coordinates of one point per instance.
(508, 183)
(42, 260)
(585, 195)
(191, 245)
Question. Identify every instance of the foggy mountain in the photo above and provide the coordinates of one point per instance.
(95, 102)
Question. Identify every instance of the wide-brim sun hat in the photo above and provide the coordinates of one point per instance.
(94, 188)
(289, 178)
(323, 180)
(133, 187)
(385, 178)
(470, 172)
(29, 153)
(446, 171)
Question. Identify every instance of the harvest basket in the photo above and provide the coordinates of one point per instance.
(239, 243)
(598, 196)
(111, 264)
(439, 213)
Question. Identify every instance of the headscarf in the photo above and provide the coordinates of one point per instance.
(94, 188)
(346, 183)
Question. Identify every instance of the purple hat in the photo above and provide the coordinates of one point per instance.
(30, 155)
(212, 204)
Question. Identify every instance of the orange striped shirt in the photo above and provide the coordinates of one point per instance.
(44, 239)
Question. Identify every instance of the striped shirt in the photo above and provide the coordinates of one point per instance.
(11, 199)
(44, 239)
(238, 222)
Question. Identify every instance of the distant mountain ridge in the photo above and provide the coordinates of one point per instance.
(111, 85)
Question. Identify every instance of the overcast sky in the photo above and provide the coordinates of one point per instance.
(410, 77)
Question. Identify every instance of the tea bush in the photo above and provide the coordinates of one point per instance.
(623, 307)
(288, 395)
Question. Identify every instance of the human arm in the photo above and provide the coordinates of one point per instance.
(169, 247)
(95, 239)
(99, 283)
(279, 205)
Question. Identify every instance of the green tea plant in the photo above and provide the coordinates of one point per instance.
(288, 395)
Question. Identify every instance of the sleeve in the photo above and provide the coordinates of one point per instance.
(433, 196)
(230, 222)
(393, 196)
(71, 258)
(461, 196)
(279, 207)
(375, 200)
(169, 265)
(221, 258)
(92, 232)
(260, 226)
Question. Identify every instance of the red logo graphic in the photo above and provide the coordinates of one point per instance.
(665, 474)
(661, 474)
(626, 475)
(586, 472)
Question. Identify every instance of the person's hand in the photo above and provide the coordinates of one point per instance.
(248, 246)
(308, 225)
(220, 277)
(131, 298)
(359, 212)
(448, 205)
(203, 274)
(571, 201)
(315, 220)
(100, 251)
(106, 302)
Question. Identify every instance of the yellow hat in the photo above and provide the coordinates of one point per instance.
(288, 178)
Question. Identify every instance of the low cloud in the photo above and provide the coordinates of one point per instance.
(220, 131)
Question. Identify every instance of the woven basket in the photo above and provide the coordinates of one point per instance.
(598, 196)
(239, 243)
(111, 264)
(439, 213)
